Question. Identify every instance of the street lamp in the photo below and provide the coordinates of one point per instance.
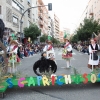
(21, 22)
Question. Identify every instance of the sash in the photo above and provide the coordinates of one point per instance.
(14, 47)
(66, 45)
(49, 48)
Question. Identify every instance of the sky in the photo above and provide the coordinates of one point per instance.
(68, 11)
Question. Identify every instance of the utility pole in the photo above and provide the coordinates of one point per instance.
(21, 22)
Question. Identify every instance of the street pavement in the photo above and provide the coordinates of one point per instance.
(66, 92)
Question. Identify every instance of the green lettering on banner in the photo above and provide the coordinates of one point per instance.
(31, 81)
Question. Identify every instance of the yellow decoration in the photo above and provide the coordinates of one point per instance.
(93, 78)
(24, 82)
(45, 81)
(29, 39)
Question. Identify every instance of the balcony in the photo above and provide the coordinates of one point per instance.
(41, 22)
(40, 16)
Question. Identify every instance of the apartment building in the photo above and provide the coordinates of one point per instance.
(56, 27)
(43, 18)
(92, 10)
(50, 26)
(12, 10)
(61, 35)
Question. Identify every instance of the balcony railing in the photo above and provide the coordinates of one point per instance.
(40, 22)
(91, 13)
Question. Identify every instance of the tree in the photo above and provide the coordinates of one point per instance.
(43, 38)
(85, 31)
(33, 31)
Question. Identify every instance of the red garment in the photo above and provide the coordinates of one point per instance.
(66, 45)
(49, 48)
(14, 47)
(68, 54)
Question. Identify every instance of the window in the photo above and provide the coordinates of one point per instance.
(15, 20)
(21, 0)
(29, 23)
(9, 2)
(8, 14)
(0, 10)
(28, 1)
(15, 5)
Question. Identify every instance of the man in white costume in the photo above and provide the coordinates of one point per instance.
(49, 50)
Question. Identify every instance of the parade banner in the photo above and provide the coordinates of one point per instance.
(22, 82)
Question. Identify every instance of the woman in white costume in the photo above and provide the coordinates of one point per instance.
(13, 58)
(93, 57)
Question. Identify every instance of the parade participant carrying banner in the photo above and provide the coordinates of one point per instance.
(67, 51)
(13, 58)
(46, 64)
(93, 57)
(49, 49)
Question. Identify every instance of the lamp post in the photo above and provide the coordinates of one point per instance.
(21, 22)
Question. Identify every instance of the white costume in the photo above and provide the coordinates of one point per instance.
(50, 51)
(91, 61)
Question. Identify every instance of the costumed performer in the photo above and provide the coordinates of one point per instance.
(93, 57)
(49, 50)
(67, 52)
(13, 58)
(45, 66)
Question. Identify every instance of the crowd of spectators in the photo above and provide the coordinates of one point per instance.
(25, 49)
(81, 47)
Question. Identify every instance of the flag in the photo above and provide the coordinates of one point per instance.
(65, 34)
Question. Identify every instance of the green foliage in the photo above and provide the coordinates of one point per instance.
(55, 41)
(43, 38)
(33, 31)
(85, 31)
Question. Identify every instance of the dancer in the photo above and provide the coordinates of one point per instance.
(49, 50)
(13, 58)
(67, 52)
(93, 57)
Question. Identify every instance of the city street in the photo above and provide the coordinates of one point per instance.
(66, 92)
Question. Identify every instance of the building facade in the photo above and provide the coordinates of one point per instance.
(56, 27)
(50, 26)
(43, 18)
(92, 10)
(12, 10)
(61, 35)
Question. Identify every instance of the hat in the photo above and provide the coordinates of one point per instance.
(12, 41)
